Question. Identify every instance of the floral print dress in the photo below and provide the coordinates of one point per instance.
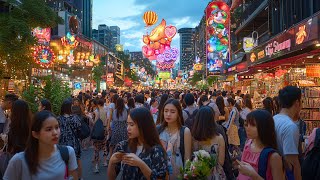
(69, 127)
(217, 172)
(172, 144)
(155, 159)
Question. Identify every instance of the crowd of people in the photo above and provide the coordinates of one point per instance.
(151, 134)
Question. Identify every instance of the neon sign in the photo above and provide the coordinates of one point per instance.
(275, 47)
(43, 55)
(218, 33)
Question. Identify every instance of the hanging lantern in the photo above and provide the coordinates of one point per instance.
(150, 18)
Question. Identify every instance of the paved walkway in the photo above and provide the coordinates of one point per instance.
(87, 167)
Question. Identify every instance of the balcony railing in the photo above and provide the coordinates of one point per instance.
(248, 9)
(263, 36)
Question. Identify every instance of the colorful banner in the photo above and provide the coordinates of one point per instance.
(313, 70)
(218, 33)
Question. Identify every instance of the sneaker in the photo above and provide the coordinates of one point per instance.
(96, 169)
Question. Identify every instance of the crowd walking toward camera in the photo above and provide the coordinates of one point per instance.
(156, 134)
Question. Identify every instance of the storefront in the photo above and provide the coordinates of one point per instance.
(291, 58)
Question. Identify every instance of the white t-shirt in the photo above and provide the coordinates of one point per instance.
(287, 135)
(51, 169)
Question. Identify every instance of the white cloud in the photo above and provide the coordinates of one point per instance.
(133, 35)
(128, 44)
(184, 22)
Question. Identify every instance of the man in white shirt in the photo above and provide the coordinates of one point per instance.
(287, 131)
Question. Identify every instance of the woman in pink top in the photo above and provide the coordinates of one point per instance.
(261, 134)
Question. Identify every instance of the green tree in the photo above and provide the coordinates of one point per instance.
(97, 71)
(54, 90)
(195, 78)
(16, 40)
(212, 79)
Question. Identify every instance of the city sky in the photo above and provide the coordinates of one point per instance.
(127, 14)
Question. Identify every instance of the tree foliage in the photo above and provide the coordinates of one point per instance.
(195, 78)
(98, 71)
(54, 90)
(16, 40)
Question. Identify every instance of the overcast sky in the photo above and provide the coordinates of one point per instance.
(127, 14)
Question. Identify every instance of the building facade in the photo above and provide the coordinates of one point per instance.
(87, 18)
(187, 41)
(103, 35)
(115, 36)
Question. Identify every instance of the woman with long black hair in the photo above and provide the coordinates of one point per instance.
(141, 156)
(42, 158)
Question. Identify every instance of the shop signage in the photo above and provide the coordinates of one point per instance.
(295, 38)
(313, 70)
(248, 44)
(164, 75)
(11, 85)
(197, 67)
(275, 47)
(110, 78)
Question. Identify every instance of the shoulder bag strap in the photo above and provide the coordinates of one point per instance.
(182, 143)
(263, 161)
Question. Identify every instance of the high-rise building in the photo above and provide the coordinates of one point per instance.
(103, 35)
(187, 55)
(87, 18)
(200, 40)
(136, 56)
(115, 36)
(82, 9)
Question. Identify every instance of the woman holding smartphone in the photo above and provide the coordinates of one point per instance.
(141, 156)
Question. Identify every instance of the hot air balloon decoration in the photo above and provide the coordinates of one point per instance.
(150, 18)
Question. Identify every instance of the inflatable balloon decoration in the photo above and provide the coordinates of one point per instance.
(217, 22)
(165, 61)
(158, 40)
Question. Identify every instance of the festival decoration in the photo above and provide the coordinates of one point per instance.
(43, 55)
(218, 33)
(42, 34)
(150, 18)
(158, 41)
(69, 41)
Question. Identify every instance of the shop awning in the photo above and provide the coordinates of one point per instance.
(291, 61)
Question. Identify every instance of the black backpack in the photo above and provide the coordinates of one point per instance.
(64, 153)
(181, 148)
(189, 121)
(97, 132)
(85, 129)
(311, 164)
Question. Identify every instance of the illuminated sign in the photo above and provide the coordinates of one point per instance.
(301, 34)
(164, 75)
(42, 34)
(275, 47)
(197, 67)
(261, 54)
(289, 41)
(253, 57)
(248, 44)
(313, 70)
(218, 34)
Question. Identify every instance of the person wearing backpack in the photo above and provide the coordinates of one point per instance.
(204, 101)
(190, 111)
(43, 158)
(260, 159)
(175, 138)
(310, 168)
(70, 125)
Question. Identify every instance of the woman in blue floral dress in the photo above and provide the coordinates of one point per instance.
(141, 156)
